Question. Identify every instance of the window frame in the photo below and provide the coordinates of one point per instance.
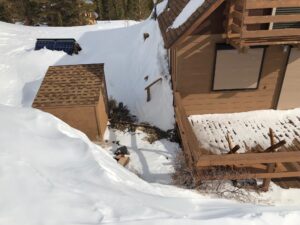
(224, 47)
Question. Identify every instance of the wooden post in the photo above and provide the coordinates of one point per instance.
(232, 150)
(148, 94)
(271, 166)
(230, 19)
(148, 89)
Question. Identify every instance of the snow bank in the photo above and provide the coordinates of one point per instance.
(128, 60)
(52, 174)
(188, 10)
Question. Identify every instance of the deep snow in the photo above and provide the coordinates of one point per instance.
(51, 173)
(128, 60)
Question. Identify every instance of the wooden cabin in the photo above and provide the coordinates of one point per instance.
(232, 56)
(77, 95)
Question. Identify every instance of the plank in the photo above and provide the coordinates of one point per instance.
(271, 19)
(124, 160)
(267, 4)
(271, 33)
(252, 158)
(252, 176)
(199, 21)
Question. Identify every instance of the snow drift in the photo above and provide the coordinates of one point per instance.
(52, 174)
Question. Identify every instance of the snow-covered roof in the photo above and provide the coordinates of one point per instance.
(179, 16)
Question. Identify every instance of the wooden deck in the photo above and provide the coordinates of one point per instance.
(208, 141)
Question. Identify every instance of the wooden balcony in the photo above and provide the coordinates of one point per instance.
(263, 22)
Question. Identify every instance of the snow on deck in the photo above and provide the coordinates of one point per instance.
(246, 129)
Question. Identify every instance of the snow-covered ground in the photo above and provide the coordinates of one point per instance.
(113, 24)
(52, 174)
(152, 162)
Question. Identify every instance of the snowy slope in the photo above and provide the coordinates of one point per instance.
(128, 60)
(51, 174)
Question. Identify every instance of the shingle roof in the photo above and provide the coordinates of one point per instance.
(71, 85)
(173, 9)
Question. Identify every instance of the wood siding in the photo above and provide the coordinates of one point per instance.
(290, 94)
(83, 118)
(194, 65)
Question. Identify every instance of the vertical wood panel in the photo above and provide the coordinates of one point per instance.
(290, 93)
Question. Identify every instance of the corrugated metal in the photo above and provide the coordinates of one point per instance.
(287, 11)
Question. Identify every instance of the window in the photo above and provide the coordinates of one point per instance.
(235, 70)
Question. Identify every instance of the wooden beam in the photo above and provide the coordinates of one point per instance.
(148, 88)
(272, 33)
(275, 146)
(251, 176)
(230, 6)
(198, 22)
(235, 28)
(154, 82)
(251, 158)
(268, 4)
(272, 19)
(237, 15)
(266, 183)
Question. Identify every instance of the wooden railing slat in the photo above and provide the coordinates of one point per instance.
(252, 176)
(251, 158)
(267, 4)
(271, 19)
(272, 33)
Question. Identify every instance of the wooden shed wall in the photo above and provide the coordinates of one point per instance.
(102, 114)
(83, 118)
(193, 77)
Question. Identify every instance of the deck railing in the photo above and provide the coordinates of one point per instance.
(264, 165)
(251, 22)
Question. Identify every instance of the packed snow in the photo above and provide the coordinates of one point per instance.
(152, 162)
(186, 13)
(246, 129)
(53, 174)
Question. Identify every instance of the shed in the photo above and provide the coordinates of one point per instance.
(77, 95)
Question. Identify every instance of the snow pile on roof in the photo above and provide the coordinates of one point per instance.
(161, 7)
(246, 129)
(128, 59)
(52, 174)
(186, 13)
